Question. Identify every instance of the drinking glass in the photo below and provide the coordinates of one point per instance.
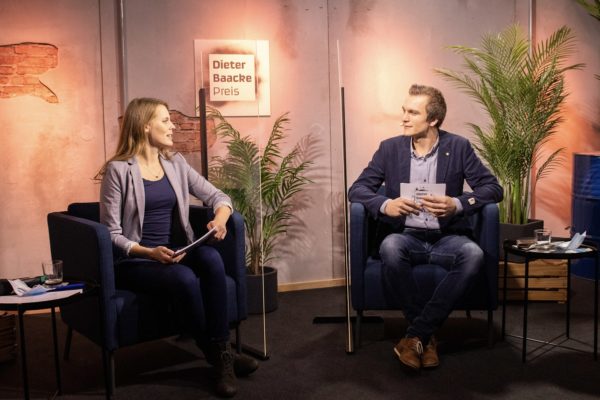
(543, 237)
(53, 271)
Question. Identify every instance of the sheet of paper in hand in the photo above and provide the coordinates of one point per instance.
(414, 191)
(196, 243)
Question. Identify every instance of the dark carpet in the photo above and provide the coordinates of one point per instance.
(309, 361)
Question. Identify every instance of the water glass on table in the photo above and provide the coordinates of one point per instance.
(543, 237)
(53, 272)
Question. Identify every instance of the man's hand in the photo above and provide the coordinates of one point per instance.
(440, 206)
(400, 207)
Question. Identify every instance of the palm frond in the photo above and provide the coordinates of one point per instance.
(261, 186)
(592, 8)
(522, 93)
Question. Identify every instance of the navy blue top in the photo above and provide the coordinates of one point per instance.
(158, 213)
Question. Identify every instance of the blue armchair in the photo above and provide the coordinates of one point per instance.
(367, 288)
(117, 318)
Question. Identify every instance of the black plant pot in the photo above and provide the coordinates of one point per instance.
(517, 231)
(255, 291)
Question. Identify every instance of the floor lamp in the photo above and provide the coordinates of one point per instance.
(347, 319)
(203, 135)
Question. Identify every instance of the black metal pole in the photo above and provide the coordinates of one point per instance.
(56, 359)
(203, 140)
(347, 319)
(23, 354)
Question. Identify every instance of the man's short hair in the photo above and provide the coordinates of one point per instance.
(436, 108)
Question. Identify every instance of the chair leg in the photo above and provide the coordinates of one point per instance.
(108, 361)
(490, 329)
(67, 350)
(238, 339)
(359, 315)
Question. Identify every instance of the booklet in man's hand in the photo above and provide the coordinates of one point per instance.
(196, 243)
(415, 191)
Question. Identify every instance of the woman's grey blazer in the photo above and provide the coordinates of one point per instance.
(122, 197)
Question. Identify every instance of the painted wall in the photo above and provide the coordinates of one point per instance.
(385, 45)
(51, 150)
(297, 32)
(580, 131)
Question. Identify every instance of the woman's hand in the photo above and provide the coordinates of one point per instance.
(164, 255)
(221, 216)
(161, 254)
(221, 231)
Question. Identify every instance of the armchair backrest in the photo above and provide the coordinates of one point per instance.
(89, 211)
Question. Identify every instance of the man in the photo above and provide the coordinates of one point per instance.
(430, 228)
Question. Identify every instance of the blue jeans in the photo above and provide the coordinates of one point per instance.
(196, 285)
(401, 253)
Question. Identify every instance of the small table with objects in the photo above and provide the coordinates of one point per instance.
(49, 300)
(553, 253)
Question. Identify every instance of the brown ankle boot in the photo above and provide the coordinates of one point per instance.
(242, 364)
(226, 383)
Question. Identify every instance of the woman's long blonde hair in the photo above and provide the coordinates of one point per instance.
(133, 137)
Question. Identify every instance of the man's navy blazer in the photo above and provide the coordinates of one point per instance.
(456, 163)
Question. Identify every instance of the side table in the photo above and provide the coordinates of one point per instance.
(586, 251)
(46, 300)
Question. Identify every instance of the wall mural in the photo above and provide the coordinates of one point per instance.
(20, 67)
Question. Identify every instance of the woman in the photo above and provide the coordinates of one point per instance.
(144, 201)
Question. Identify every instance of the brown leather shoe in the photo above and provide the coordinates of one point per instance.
(409, 351)
(430, 357)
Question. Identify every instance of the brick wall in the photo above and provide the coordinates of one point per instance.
(186, 136)
(20, 67)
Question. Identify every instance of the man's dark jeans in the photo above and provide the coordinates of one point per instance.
(402, 252)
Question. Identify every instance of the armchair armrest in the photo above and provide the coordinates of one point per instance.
(486, 230)
(359, 253)
(232, 248)
(86, 250)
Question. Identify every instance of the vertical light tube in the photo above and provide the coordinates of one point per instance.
(349, 338)
(122, 54)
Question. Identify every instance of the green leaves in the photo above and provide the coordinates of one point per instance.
(260, 186)
(593, 7)
(521, 89)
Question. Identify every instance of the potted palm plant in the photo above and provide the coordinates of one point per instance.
(261, 187)
(521, 88)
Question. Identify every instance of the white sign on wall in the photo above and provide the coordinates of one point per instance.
(234, 75)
